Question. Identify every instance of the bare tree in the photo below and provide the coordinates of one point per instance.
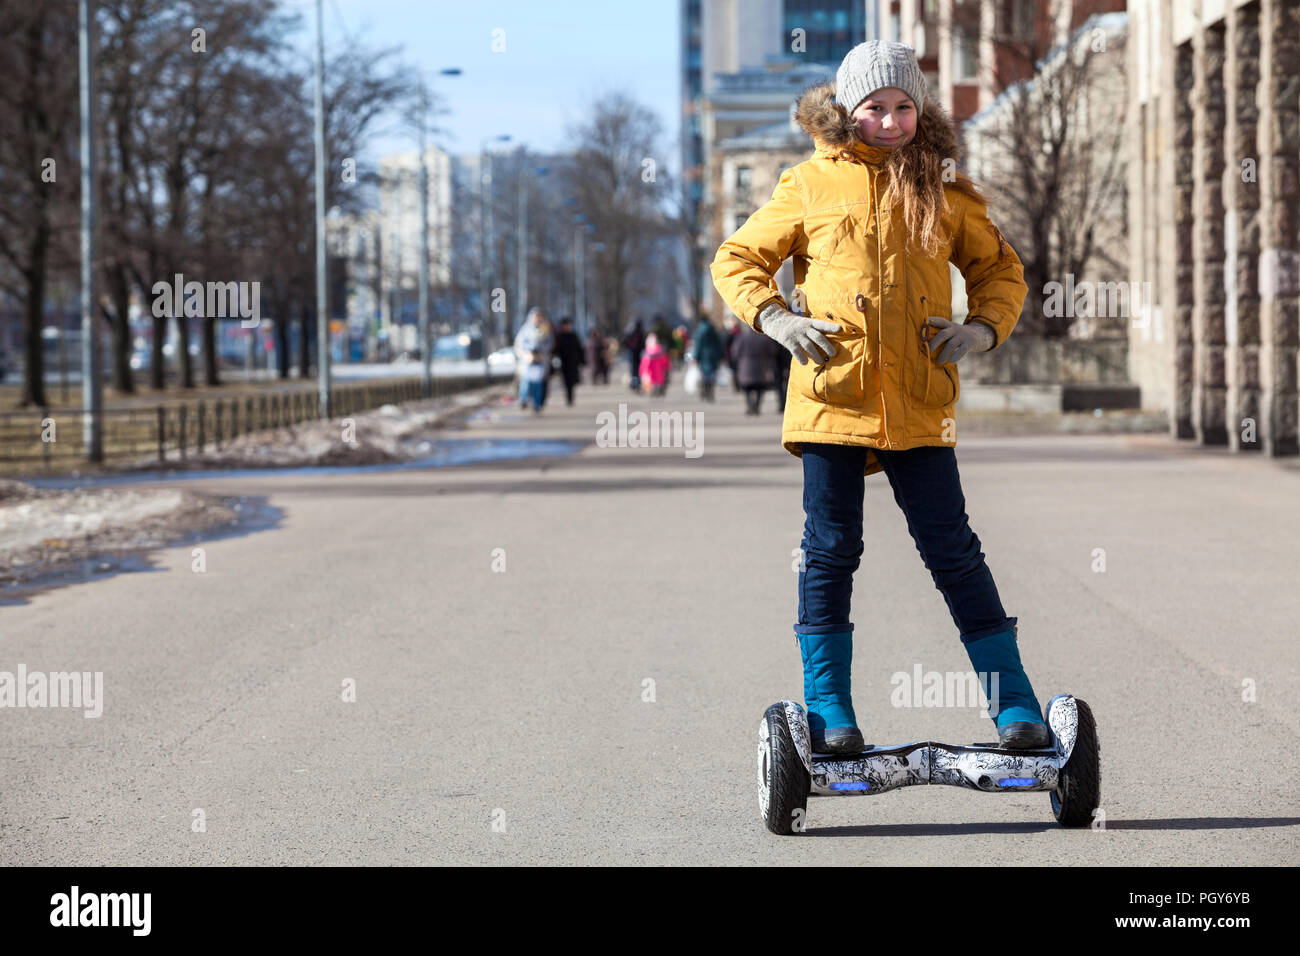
(690, 218)
(38, 165)
(209, 161)
(276, 169)
(1057, 145)
(615, 148)
(185, 128)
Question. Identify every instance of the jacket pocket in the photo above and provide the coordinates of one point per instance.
(841, 380)
(824, 248)
(934, 384)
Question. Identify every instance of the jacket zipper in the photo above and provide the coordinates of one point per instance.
(921, 361)
(880, 324)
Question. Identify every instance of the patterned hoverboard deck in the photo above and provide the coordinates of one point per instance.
(977, 766)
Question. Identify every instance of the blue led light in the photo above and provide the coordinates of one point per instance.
(1017, 781)
(850, 785)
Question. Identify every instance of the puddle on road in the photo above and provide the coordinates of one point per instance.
(442, 453)
(255, 514)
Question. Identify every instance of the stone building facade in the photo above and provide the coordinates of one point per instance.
(1214, 214)
(743, 173)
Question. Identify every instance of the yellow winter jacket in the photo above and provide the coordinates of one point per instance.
(882, 388)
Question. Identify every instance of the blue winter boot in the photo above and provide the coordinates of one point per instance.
(1012, 703)
(826, 661)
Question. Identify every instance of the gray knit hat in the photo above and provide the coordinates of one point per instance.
(876, 64)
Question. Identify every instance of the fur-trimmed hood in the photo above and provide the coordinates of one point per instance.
(834, 131)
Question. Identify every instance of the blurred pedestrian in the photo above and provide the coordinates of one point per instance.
(634, 343)
(665, 336)
(681, 342)
(754, 358)
(781, 359)
(707, 351)
(533, 381)
(569, 351)
(654, 367)
(533, 345)
(731, 334)
(596, 358)
(548, 334)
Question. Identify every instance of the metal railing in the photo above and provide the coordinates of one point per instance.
(36, 438)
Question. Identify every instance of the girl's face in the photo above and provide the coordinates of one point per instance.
(886, 118)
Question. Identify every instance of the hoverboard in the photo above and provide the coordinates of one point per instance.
(789, 772)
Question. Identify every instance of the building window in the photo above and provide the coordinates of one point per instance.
(1016, 18)
(743, 176)
(830, 27)
(963, 55)
(1023, 23)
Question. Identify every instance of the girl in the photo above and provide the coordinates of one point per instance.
(654, 367)
(872, 220)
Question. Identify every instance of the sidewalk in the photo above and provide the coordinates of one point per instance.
(581, 646)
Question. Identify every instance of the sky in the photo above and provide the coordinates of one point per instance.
(559, 55)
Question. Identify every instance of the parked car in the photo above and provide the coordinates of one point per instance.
(456, 348)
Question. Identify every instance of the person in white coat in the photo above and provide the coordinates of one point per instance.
(534, 344)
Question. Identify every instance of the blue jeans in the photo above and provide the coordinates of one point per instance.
(928, 490)
(531, 392)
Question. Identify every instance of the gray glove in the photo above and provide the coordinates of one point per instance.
(798, 333)
(953, 340)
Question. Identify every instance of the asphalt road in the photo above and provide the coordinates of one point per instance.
(515, 697)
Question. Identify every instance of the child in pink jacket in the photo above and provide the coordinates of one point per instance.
(654, 366)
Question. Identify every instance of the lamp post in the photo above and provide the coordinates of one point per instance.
(571, 202)
(595, 247)
(579, 276)
(485, 241)
(580, 267)
(92, 386)
(322, 318)
(426, 345)
(522, 243)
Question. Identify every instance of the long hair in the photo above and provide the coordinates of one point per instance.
(916, 182)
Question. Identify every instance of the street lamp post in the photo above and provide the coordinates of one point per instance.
(521, 308)
(595, 247)
(578, 219)
(485, 242)
(579, 277)
(521, 243)
(92, 391)
(322, 317)
(426, 344)
(425, 357)
(580, 267)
